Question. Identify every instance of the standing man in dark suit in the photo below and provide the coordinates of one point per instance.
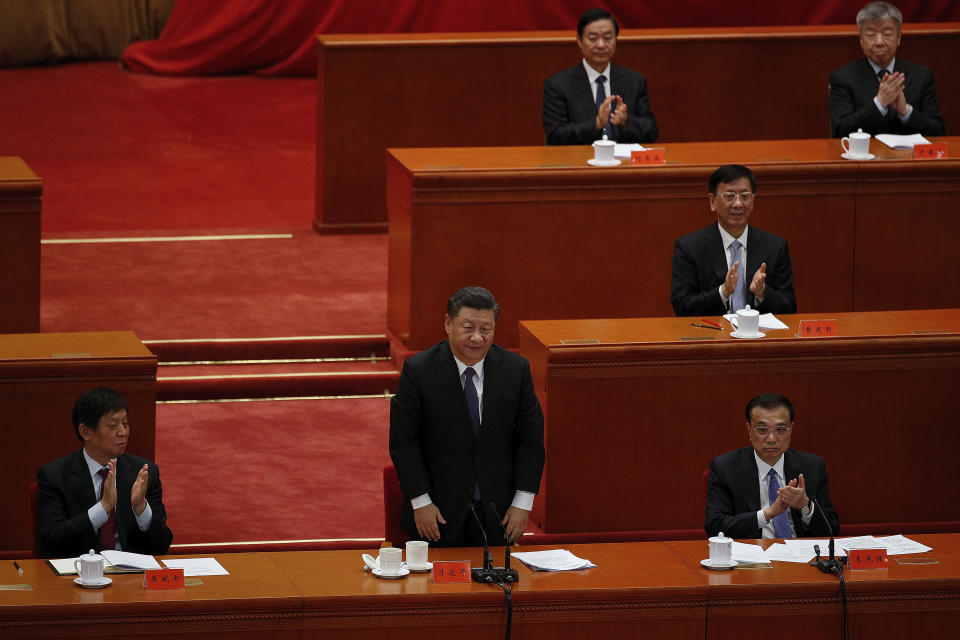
(466, 430)
(765, 490)
(903, 102)
(101, 497)
(596, 96)
(719, 269)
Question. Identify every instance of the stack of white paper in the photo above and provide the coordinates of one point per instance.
(895, 141)
(197, 566)
(127, 560)
(553, 560)
(622, 150)
(749, 553)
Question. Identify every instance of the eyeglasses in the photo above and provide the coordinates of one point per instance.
(746, 197)
(777, 431)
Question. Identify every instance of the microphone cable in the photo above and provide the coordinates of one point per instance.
(836, 567)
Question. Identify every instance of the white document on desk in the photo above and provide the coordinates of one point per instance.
(768, 321)
(127, 560)
(786, 553)
(895, 141)
(197, 566)
(804, 546)
(899, 545)
(749, 553)
(552, 560)
(623, 150)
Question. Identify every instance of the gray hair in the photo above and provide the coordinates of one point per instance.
(875, 11)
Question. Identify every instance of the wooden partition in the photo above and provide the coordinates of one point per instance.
(20, 190)
(552, 237)
(636, 409)
(485, 89)
(41, 375)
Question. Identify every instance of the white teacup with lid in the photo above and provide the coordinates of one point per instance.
(748, 322)
(90, 567)
(857, 144)
(721, 549)
(603, 150)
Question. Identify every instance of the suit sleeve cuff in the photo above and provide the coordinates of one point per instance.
(903, 119)
(522, 500)
(880, 107)
(421, 501)
(761, 521)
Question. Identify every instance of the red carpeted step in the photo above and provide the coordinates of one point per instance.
(279, 385)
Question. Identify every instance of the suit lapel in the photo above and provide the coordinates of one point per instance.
(868, 80)
(449, 379)
(582, 91)
(756, 254)
(749, 479)
(80, 483)
(491, 378)
(712, 249)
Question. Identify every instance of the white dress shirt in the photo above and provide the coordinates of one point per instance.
(98, 515)
(763, 470)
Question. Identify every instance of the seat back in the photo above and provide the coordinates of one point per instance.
(392, 507)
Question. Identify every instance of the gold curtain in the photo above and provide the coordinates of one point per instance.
(49, 31)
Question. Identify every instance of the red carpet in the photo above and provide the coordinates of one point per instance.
(119, 151)
(241, 471)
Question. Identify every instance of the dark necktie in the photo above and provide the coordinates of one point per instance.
(601, 96)
(881, 73)
(781, 523)
(109, 530)
(740, 293)
(473, 402)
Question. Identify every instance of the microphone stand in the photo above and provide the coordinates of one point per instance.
(835, 566)
(487, 574)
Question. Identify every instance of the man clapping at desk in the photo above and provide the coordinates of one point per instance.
(101, 497)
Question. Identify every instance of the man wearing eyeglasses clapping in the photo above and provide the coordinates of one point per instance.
(769, 490)
(728, 265)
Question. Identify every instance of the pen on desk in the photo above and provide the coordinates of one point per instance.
(19, 570)
(710, 322)
(704, 326)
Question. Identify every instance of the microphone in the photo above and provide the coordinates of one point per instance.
(508, 574)
(487, 573)
(833, 564)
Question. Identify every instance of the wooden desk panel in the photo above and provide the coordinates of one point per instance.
(41, 376)
(20, 190)
(555, 238)
(663, 600)
(659, 399)
(422, 95)
(255, 601)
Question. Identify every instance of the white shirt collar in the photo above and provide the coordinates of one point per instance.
(478, 368)
(727, 238)
(593, 74)
(763, 469)
(92, 464)
(876, 67)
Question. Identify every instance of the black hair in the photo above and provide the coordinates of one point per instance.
(474, 298)
(93, 405)
(769, 401)
(592, 15)
(729, 173)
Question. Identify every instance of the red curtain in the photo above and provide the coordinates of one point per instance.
(271, 37)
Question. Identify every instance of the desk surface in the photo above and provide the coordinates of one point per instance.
(323, 592)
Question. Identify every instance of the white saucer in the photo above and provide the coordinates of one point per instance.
(93, 585)
(758, 334)
(718, 566)
(421, 568)
(392, 576)
(603, 163)
(847, 156)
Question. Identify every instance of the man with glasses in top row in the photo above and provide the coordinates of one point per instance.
(728, 265)
(768, 490)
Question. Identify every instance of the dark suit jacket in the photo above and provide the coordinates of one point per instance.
(700, 266)
(65, 492)
(570, 109)
(733, 494)
(853, 88)
(435, 451)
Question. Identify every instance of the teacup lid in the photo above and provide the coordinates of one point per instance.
(604, 142)
(859, 133)
(92, 556)
(747, 311)
(720, 538)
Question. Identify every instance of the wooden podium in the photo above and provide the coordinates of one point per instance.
(20, 190)
(636, 409)
(554, 238)
(41, 376)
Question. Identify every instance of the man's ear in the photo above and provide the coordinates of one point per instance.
(85, 431)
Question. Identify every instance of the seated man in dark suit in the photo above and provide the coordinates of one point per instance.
(768, 490)
(903, 102)
(726, 266)
(466, 432)
(100, 497)
(597, 97)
